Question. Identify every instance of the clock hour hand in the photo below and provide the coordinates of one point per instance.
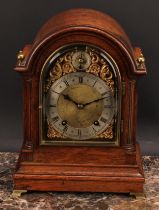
(67, 97)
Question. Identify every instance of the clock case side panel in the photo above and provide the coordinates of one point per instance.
(123, 156)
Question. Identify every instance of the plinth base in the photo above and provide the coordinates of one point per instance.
(88, 176)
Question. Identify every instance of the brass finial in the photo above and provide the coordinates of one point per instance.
(141, 59)
(20, 56)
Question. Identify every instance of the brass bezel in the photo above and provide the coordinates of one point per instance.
(91, 142)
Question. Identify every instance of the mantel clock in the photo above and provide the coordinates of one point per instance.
(79, 106)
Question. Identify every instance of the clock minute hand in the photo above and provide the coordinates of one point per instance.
(99, 99)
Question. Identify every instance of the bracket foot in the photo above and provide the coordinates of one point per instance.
(18, 193)
(138, 195)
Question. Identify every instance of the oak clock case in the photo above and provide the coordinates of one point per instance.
(80, 107)
(80, 97)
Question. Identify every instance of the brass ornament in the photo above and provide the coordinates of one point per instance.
(141, 60)
(17, 193)
(94, 69)
(107, 76)
(94, 56)
(98, 66)
(101, 68)
(67, 68)
(20, 58)
(62, 66)
(52, 133)
(108, 133)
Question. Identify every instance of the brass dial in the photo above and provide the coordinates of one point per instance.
(76, 105)
(80, 105)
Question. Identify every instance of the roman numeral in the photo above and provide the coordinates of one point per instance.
(108, 106)
(79, 132)
(102, 119)
(55, 119)
(52, 105)
(95, 82)
(65, 129)
(94, 130)
(66, 82)
(55, 92)
(80, 79)
(105, 93)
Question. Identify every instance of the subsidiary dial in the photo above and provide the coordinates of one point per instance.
(81, 60)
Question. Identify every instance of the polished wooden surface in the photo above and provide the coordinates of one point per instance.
(61, 168)
(72, 174)
(82, 17)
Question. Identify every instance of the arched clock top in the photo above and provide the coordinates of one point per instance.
(94, 24)
(81, 17)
